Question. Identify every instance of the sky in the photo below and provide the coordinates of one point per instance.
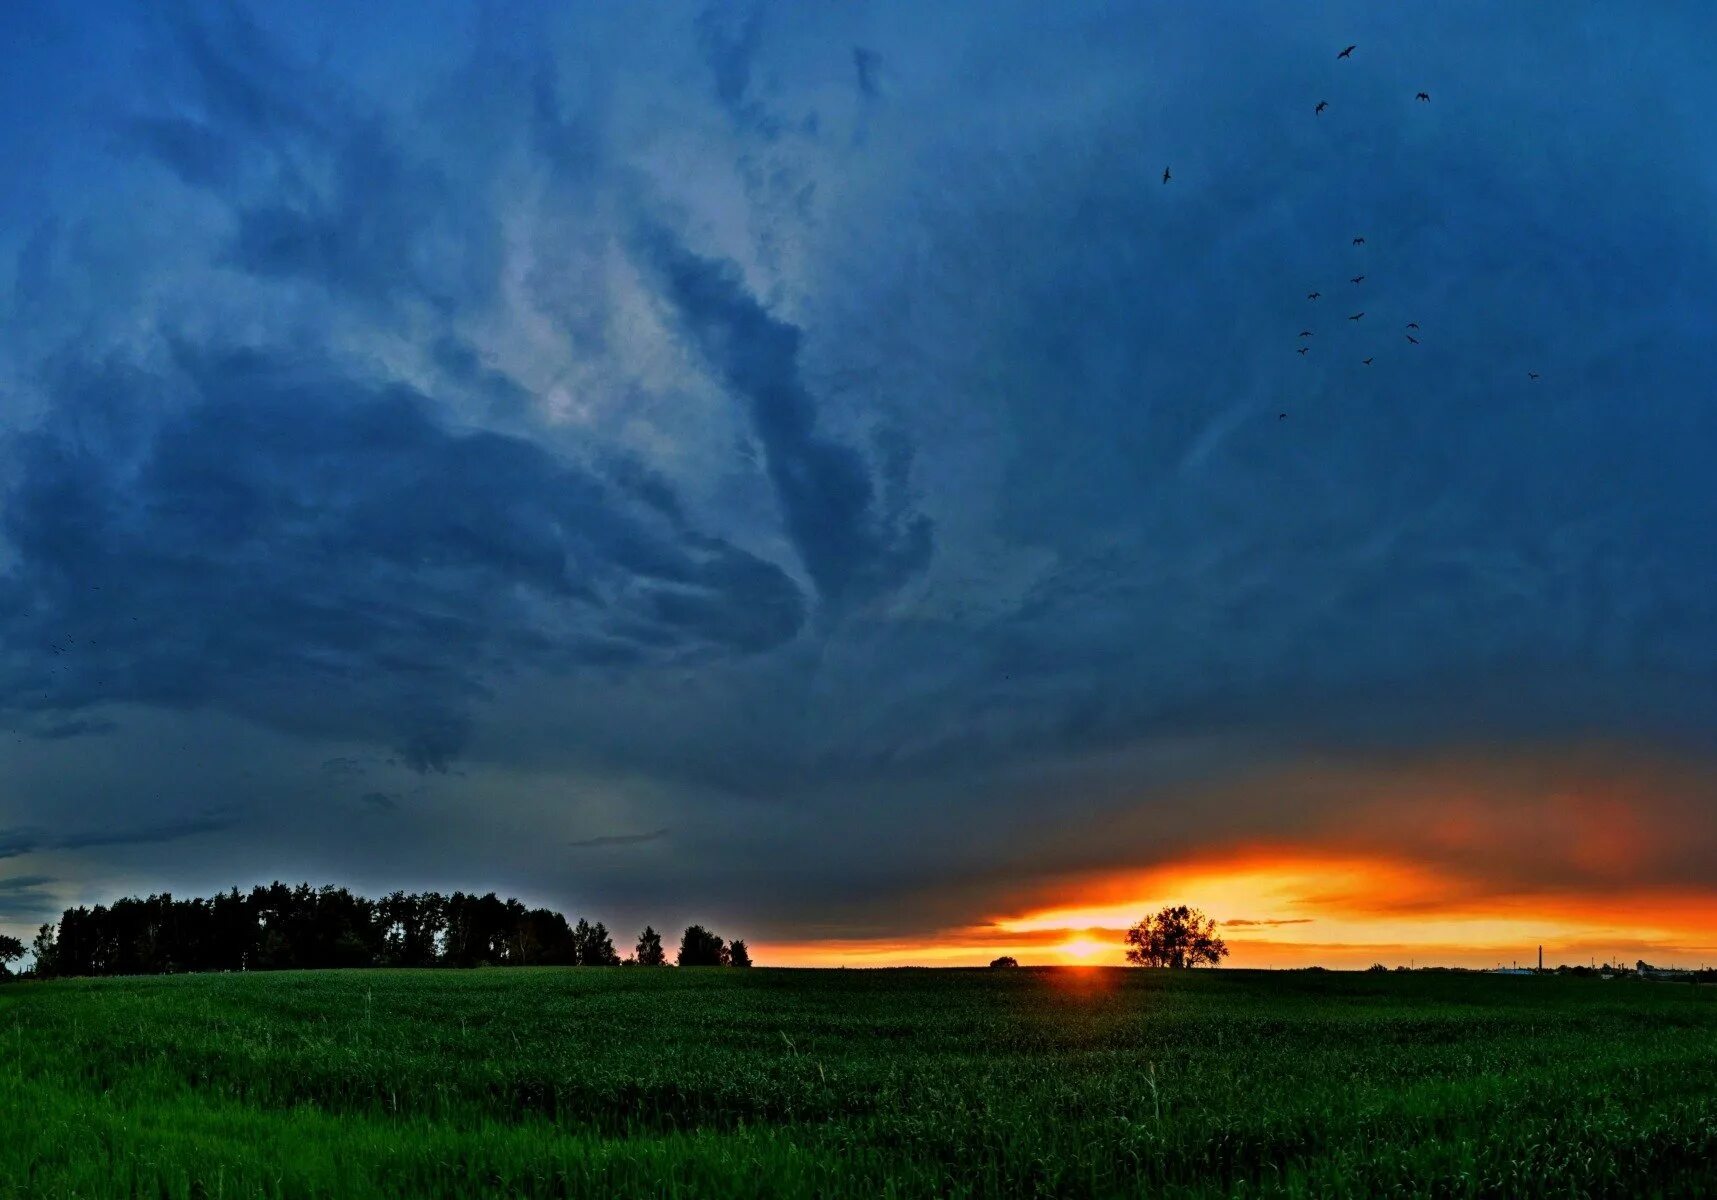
(800, 468)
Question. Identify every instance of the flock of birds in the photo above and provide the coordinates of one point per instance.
(1412, 327)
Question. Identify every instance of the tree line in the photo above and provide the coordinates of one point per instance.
(281, 927)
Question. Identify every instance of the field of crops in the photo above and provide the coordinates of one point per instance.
(620, 1082)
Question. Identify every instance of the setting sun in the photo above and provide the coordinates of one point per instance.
(1084, 950)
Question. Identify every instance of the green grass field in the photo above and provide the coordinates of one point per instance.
(589, 1082)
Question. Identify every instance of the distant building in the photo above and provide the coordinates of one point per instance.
(1646, 971)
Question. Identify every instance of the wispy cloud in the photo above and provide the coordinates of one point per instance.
(78, 727)
(27, 897)
(618, 839)
(17, 842)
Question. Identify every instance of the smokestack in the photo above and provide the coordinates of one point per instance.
(1541, 958)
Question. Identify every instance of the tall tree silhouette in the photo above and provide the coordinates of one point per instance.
(44, 947)
(737, 954)
(649, 951)
(11, 950)
(595, 947)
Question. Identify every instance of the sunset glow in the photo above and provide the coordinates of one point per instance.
(1086, 950)
(1289, 906)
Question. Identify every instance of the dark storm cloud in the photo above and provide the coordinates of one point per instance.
(316, 551)
(729, 36)
(15, 843)
(503, 395)
(19, 883)
(27, 898)
(866, 64)
(825, 490)
(322, 191)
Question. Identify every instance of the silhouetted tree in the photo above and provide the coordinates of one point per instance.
(11, 950)
(280, 926)
(481, 930)
(650, 953)
(1006, 960)
(412, 927)
(44, 948)
(1176, 937)
(595, 947)
(701, 948)
(737, 954)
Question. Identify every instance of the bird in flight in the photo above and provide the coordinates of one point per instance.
(1305, 333)
(1348, 52)
(1366, 361)
(1412, 324)
(1359, 241)
(1358, 279)
(1319, 110)
(1413, 339)
(1532, 375)
(1313, 295)
(1166, 175)
(1281, 416)
(1356, 316)
(1423, 96)
(1303, 349)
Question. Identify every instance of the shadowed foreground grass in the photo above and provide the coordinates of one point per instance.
(1076, 1082)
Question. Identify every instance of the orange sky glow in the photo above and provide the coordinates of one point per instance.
(1287, 907)
(1596, 852)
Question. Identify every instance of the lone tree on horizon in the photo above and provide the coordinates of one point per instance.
(1177, 937)
(737, 954)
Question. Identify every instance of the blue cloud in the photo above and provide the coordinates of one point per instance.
(75, 728)
(17, 842)
(866, 65)
(314, 549)
(618, 839)
(825, 490)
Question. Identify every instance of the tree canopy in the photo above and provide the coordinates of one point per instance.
(649, 951)
(701, 948)
(11, 950)
(282, 927)
(1176, 937)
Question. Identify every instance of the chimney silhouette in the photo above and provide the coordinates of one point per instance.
(1541, 958)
